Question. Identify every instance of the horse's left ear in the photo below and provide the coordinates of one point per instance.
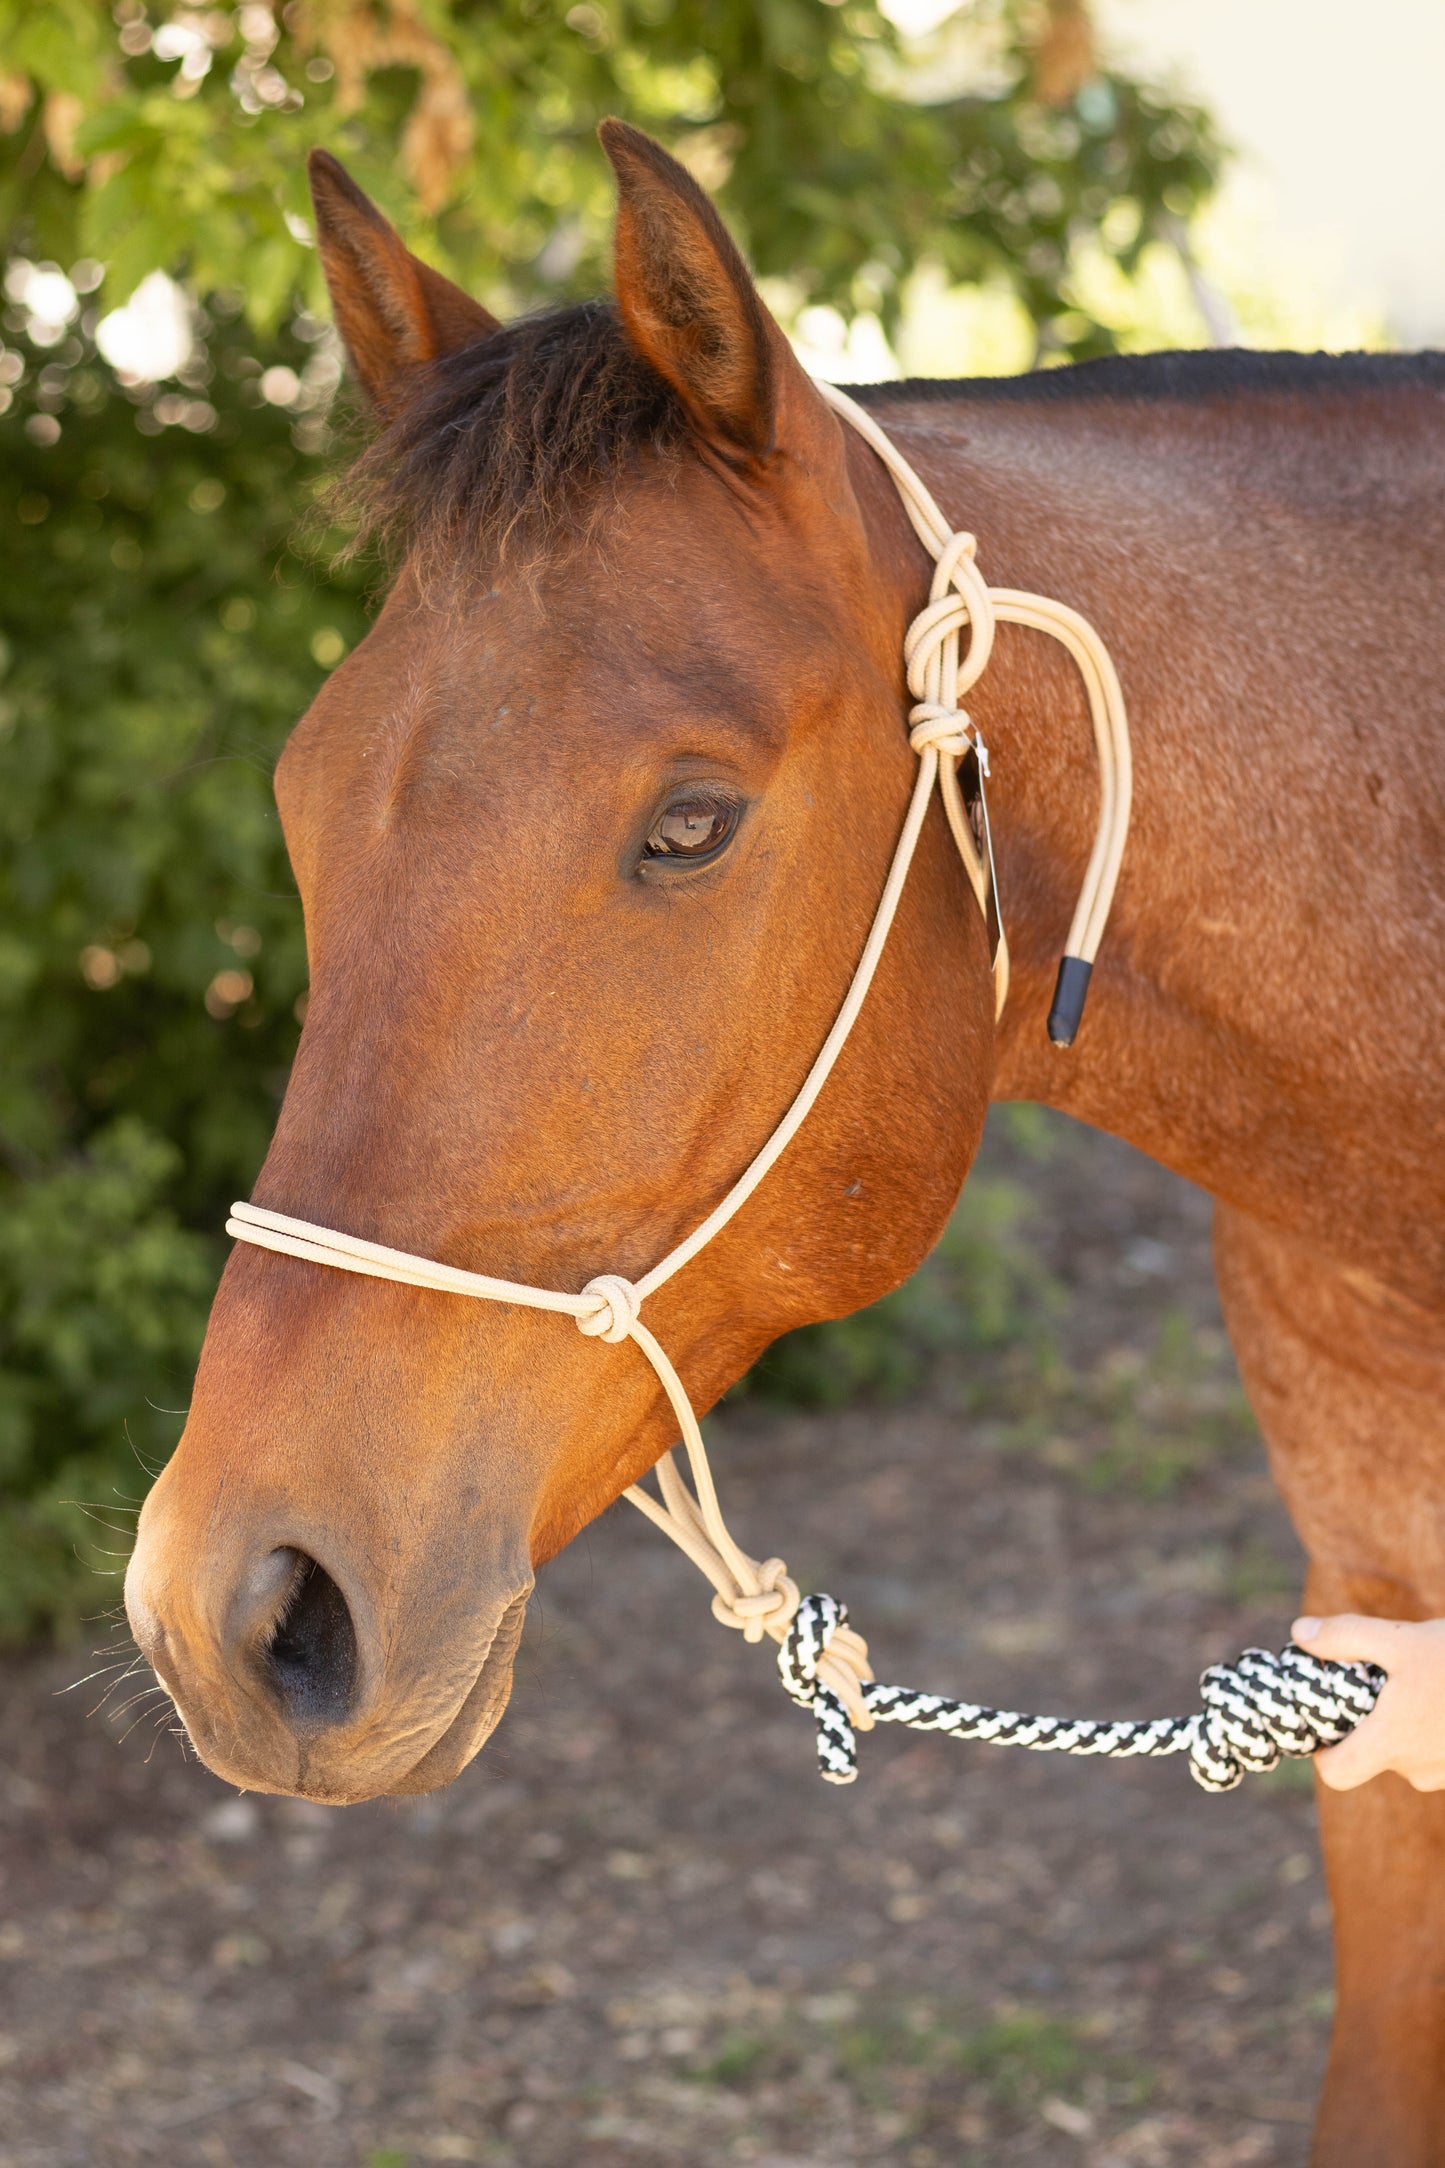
(689, 306)
(392, 310)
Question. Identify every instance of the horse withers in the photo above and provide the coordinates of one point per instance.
(589, 831)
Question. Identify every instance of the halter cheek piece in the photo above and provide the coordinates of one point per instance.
(1256, 1710)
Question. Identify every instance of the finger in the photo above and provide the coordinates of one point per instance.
(1349, 1638)
(1351, 1763)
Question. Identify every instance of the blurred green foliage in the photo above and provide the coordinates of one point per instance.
(161, 627)
(1166, 1414)
(159, 639)
(983, 1284)
(174, 138)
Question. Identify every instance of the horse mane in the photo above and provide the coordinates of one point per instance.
(515, 440)
(525, 437)
(1190, 374)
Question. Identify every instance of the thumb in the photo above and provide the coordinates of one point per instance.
(1349, 1638)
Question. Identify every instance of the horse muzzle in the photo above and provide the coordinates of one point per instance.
(292, 1671)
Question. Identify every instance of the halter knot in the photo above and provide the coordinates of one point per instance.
(767, 1609)
(618, 1304)
(824, 1667)
(1265, 1705)
(947, 730)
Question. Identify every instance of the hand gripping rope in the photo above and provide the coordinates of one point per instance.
(1255, 1710)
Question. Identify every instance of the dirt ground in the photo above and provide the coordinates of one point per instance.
(639, 1932)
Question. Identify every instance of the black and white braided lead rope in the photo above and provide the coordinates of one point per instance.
(1257, 1711)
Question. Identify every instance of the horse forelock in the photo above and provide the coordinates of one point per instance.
(513, 443)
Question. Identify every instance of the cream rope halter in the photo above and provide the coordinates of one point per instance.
(759, 1598)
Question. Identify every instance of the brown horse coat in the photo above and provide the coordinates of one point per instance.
(650, 584)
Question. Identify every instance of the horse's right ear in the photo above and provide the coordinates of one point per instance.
(392, 310)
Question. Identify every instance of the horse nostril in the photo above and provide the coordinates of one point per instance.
(310, 1655)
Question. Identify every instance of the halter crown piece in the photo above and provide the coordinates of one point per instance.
(1256, 1709)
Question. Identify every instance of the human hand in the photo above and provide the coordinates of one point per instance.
(1405, 1731)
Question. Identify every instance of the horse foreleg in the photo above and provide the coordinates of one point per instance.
(1348, 1382)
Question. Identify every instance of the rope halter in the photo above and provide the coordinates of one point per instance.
(823, 1661)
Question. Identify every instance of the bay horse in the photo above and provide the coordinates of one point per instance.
(588, 832)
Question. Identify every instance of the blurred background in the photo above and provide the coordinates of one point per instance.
(923, 188)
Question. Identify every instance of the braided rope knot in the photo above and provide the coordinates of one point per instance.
(824, 1667)
(767, 1609)
(947, 730)
(1265, 1706)
(618, 1304)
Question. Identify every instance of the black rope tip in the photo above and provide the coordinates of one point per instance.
(1070, 989)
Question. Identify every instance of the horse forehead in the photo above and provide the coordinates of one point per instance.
(614, 671)
(508, 719)
(693, 612)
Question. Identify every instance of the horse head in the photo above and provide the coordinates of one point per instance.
(589, 832)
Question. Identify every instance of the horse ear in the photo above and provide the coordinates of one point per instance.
(687, 302)
(392, 310)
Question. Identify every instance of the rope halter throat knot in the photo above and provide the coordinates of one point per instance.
(618, 1307)
(1255, 1710)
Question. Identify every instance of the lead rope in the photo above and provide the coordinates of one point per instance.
(1255, 1710)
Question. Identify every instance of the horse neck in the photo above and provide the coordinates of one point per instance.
(1266, 1013)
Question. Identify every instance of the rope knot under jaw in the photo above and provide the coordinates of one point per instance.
(769, 1609)
(618, 1305)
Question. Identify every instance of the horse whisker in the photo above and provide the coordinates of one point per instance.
(99, 1672)
(147, 1693)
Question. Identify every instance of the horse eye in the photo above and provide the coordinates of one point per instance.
(691, 828)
